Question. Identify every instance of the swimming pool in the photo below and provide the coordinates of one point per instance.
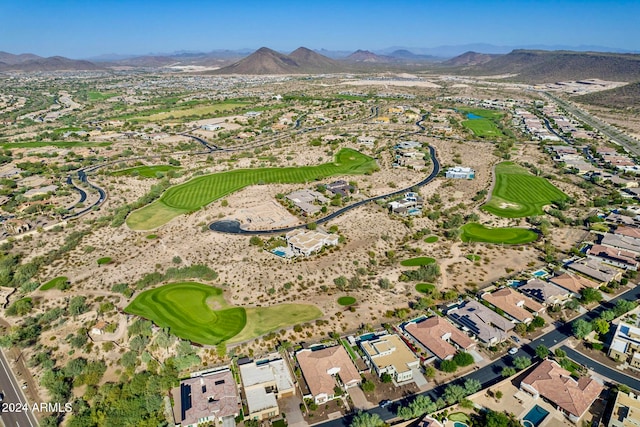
(540, 273)
(515, 283)
(414, 211)
(535, 416)
(279, 252)
(459, 424)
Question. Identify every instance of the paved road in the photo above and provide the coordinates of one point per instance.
(601, 369)
(234, 227)
(13, 395)
(604, 128)
(491, 374)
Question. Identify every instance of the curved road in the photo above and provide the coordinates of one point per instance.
(492, 374)
(234, 227)
(209, 148)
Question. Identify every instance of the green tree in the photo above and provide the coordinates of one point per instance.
(21, 307)
(463, 358)
(589, 295)
(448, 366)
(522, 362)
(368, 386)
(454, 393)
(386, 378)
(366, 419)
(601, 326)
(542, 351)
(77, 305)
(581, 328)
(508, 371)
(472, 386)
(521, 328)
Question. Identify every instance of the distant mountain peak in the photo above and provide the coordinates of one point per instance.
(268, 61)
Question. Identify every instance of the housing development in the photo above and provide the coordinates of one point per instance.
(273, 239)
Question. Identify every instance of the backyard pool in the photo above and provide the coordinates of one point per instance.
(279, 252)
(540, 274)
(535, 416)
(459, 424)
(515, 283)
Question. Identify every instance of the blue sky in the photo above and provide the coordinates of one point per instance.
(85, 28)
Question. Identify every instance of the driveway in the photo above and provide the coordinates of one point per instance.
(291, 407)
(359, 399)
(419, 379)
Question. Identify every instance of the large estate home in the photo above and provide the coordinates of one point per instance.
(518, 306)
(325, 369)
(307, 242)
(264, 382)
(439, 337)
(388, 354)
(625, 345)
(484, 323)
(555, 384)
(208, 397)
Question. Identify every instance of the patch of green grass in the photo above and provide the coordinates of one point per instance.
(425, 288)
(347, 347)
(57, 283)
(200, 191)
(186, 110)
(104, 260)
(262, 320)
(460, 417)
(472, 257)
(152, 236)
(346, 300)
(485, 126)
(99, 96)
(474, 232)
(56, 144)
(192, 311)
(518, 194)
(431, 239)
(146, 171)
(417, 262)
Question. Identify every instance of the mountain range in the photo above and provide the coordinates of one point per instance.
(29, 62)
(529, 66)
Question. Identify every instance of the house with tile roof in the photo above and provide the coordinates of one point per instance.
(555, 384)
(545, 293)
(439, 337)
(574, 283)
(518, 306)
(209, 397)
(325, 369)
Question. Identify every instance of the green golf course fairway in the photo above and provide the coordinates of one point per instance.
(517, 193)
(146, 171)
(262, 320)
(484, 126)
(346, 300)
(186, 309)
(417, 262)
(199, 313)
(474, 232)
(198, 192)
(54, 283)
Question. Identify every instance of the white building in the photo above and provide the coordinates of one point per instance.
(307, 242)
(210, 127)
(459, 172)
